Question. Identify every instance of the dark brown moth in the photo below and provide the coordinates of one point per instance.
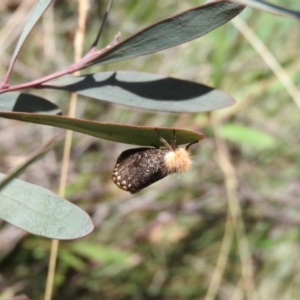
(138, 168)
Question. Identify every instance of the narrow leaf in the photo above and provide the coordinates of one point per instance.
(171, 32)
(146, 91)
(38, 10)
(22, 102)
(37, 155)
(39, 211)
(247, 136)
(102, 253)
(269, 7)
(128, 134)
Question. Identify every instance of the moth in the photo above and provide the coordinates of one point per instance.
(138, 168)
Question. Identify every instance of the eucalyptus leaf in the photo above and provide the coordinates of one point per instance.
(39, 8)
(128, 134)
(270, 7)
(35, 156)
(22, 102)
(146, 91)
(41, 212)
(170, 32)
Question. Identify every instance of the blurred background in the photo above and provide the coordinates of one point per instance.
(179, 238)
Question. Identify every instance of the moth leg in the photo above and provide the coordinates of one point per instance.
(163, 140)
(174, 144)
(190, 144)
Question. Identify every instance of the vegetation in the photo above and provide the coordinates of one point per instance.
(228, 229)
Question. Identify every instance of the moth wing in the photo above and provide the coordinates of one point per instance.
(127, 153)
(138, 168)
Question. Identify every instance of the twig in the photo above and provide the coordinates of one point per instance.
(78, 45)
(222, 260)
(269, 58)
(77, 66)
(231, 185)
(102, 24)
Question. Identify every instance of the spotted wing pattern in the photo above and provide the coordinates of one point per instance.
(138, 168)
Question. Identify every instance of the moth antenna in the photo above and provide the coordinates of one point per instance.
(164, 141)
(190, 144)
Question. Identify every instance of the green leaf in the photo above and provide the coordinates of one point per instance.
(39, 211)
(22, 102)
(38, 10)
(24, 165)
(244, 135)
(269, 7)
(146, 91)
(102, 253)
(170, 32)
(67, 258)
(128, 134)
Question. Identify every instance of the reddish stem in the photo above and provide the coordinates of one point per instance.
(81, 64)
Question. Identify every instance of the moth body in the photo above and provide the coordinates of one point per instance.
(138, 168)
(178, 160)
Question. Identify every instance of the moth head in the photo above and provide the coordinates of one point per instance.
(177, 159)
